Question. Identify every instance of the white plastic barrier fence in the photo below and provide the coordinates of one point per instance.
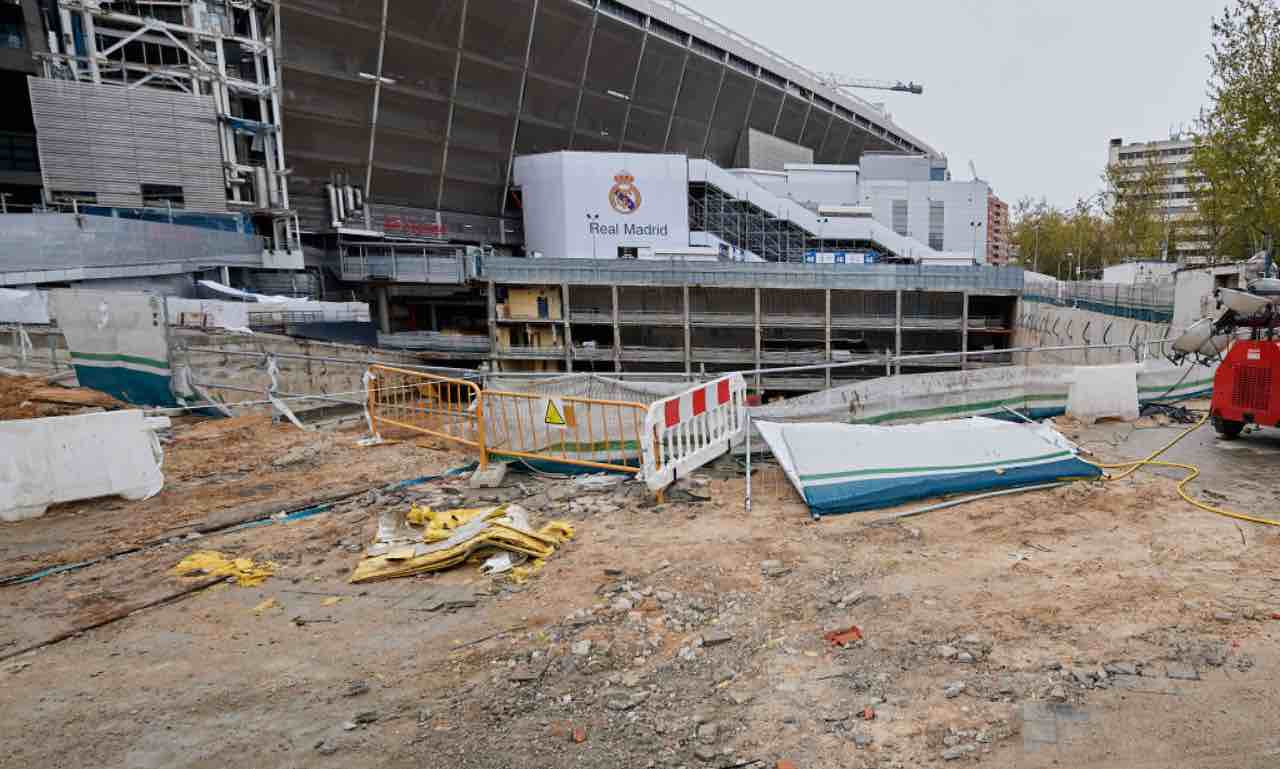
(687, 430)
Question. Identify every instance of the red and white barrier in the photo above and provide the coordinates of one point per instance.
(684, 432)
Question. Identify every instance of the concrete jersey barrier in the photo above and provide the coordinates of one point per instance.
(61, 459)
(1036, 391)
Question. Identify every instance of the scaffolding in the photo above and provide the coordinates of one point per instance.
(747, 227)
(227, 50)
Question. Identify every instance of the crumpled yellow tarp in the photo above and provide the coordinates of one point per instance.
(450, 537)
(211, 563)
(439, 524)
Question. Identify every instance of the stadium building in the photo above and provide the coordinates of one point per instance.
(388, 150)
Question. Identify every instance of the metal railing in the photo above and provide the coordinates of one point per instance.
(441, 407)
(1152, 302)
(402, 263)
(582, 432)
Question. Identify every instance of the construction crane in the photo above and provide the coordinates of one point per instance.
(835, 80)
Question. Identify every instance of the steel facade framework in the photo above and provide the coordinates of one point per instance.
(465, 85)
(222, 51)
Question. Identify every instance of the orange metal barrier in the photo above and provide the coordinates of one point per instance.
(449, 409)
(554, 431)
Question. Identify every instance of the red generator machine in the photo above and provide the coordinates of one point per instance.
(1246, 389)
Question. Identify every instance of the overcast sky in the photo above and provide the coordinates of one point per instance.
(1030, 90)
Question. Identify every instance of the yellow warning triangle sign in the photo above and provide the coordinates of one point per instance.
(554, 415)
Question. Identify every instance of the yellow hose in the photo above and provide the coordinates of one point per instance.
(1193, 472)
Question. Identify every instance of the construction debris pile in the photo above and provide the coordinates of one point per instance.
(501, 538)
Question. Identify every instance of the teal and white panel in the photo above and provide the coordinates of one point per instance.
(118, 342)
(842, 468)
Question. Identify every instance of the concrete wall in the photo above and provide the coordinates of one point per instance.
(48, 352)
(913, 168)
(248, 374)
(1139, 272)
(1039, 391)
(523, 303)
(963, 202)
(590, 204)
(62, 248)
(1193, 293)
(1044, 325)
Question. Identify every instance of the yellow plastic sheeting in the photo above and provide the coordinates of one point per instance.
(503, 528)
(521, 574)
(211, 563)
(441, 523)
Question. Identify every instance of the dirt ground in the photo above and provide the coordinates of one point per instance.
(1093, 625)
(23, 397)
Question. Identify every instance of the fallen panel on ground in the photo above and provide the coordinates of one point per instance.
(842, 468)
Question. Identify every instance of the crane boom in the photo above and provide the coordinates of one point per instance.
(840, 81)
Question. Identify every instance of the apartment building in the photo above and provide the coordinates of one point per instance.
(1177, 206)
(998, 234)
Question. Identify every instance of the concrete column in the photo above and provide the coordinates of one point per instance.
(617, 331)
(493, 327)
(225, 275)
(964, 332)
(827, 316)
(384, 310)
(568, 330)
(688, 335)
(897, 332)
(435, 320)
(756, 291)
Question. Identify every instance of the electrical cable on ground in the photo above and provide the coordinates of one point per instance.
(1192, 471)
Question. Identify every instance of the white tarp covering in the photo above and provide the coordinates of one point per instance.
(1104, 391)
(842, 468)
(261, 303)
(61, 459)
(209, 313)
(24, 306)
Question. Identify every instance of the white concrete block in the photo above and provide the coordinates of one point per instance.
(1104, 391)
(62, 459)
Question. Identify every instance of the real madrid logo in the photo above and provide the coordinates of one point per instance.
(624, 196)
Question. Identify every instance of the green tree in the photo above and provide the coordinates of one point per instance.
(1059, 242)
(1133, 203)
(1238, 136)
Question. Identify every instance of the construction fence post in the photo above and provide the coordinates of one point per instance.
(480, 441)
(897, 329)
(748, 501)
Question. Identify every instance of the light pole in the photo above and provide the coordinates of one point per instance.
(593, 219)
(378, 82)
(1035, 259)
(822, 226)
(975, 225)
